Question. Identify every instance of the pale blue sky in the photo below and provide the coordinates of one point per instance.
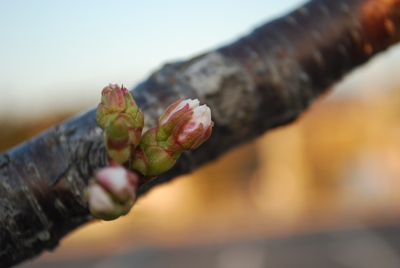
(64, 52)
(60, 54)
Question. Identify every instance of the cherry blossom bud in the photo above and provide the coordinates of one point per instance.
(112, 192)
(194, 128)
(117, 100)
(121, 119)
(120, 182)
(184, 126)
(100, 202)
(174, 113)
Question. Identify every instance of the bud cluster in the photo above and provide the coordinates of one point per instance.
(135, 159)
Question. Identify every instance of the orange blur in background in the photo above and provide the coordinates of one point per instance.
(336, 167)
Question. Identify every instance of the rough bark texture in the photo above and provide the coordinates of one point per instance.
(263, 80)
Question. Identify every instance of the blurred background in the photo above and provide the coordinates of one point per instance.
(321, 192)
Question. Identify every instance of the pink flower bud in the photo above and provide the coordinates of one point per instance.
(178, 107)
(184, 126)
(99, 199)
(117, 100)
(102, 205)
(112, 101)
(193, 130)
(121, 119)
(113, 98)
(120, 182)
(112, 193)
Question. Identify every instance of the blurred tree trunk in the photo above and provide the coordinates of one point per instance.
(265, 79)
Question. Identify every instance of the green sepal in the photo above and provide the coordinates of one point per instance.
(159, 159)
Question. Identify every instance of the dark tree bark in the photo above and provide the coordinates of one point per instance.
(261, 81)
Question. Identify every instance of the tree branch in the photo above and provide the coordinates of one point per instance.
(265, 79)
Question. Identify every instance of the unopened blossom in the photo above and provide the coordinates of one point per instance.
(99, 200)
(119, 181)
(115, 99)
(174, 112)
(194, 128)
(121, 119)
(112, 192)
(183, 126)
